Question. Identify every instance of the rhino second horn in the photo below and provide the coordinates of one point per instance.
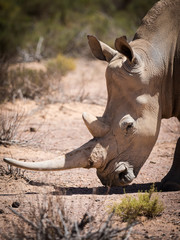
(96, 127)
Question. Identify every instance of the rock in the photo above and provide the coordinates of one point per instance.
(32, 129)
(15, 204)
(1, 211)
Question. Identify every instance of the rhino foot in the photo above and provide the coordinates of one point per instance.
(169, 186)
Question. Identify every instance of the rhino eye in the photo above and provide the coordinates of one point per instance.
(132, 67)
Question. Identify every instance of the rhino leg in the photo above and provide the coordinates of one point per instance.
(171, 182)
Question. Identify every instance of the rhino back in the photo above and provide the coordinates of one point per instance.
(161, 28)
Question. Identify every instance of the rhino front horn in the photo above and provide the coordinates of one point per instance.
(82, 157)
(96, 127)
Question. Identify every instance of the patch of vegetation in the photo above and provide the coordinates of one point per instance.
(64, 24)
(24, 82)
(50, 221)
(14, 130)
(9, 125)
(146, 204)
(60, 65)
(13, 173)
(39, 29)
(21, 82)
(28, 83)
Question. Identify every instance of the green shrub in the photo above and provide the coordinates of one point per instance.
(60, 64)
(146, 204)
(12, 27)
(64, 24)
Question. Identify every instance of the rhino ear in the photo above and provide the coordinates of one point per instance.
(124, 48)
(100, 50)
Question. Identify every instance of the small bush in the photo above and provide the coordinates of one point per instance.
(29, 83)
(147, 204)
(60, 64)
(9, 124)
(23, 81)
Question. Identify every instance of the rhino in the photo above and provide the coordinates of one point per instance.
(143, 86)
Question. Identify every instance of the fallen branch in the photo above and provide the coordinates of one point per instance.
(23, 218)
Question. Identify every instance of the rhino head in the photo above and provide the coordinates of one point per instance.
(126, 133)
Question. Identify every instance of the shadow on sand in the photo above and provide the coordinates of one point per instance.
(134, 188)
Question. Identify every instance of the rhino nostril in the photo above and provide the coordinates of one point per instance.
(122, 174)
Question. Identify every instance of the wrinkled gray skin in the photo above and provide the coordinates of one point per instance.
(143, 87)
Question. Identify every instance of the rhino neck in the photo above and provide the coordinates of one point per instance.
(160, 27)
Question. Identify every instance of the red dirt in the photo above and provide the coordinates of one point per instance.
(58, 129)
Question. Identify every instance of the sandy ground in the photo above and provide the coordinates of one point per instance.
(48, 130)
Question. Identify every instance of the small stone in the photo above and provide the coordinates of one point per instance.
(146, 236)
(97, 200)
(15, 204)
(1, 211)
(32, 129)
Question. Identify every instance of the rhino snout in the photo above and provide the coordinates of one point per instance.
(121, 176)
(125, 177)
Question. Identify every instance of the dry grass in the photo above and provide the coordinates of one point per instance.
(16, 127)
(13, 173)
(60, 65)
(50, 221)
(27, 83)
(21, 82)
(30, 80)
(9, 124)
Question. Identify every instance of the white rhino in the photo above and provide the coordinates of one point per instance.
(143, 87)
